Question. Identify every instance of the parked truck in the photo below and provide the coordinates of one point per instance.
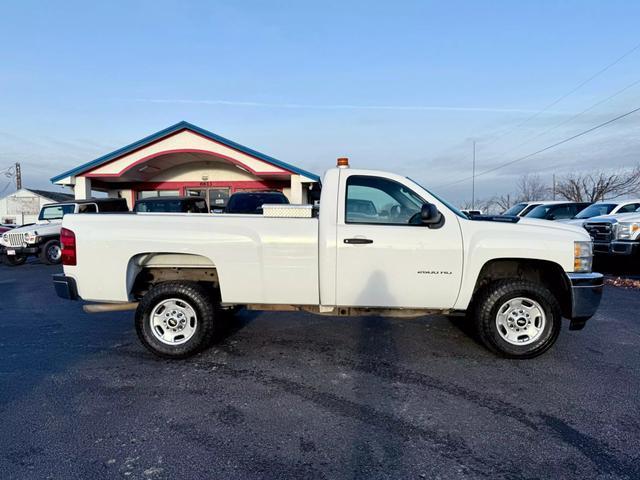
(615, 235)
(409, 254)
(42, 239)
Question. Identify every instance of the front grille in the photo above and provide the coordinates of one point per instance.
(14, 239)
(599, 232)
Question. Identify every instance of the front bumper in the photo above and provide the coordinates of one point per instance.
(586, 293)
(65, 286)
(21, 250)
(621, 248)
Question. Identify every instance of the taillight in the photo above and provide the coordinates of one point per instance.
(68, 242)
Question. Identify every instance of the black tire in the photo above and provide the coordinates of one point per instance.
(496, 294)
(15, 260)
(199, 298)
(51, 253)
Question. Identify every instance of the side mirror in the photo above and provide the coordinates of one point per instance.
(429, 214)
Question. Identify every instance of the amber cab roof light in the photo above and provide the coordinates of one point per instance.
(343, 162)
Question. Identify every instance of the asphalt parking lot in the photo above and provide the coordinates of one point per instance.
(299, 396)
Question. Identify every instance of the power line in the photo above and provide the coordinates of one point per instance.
(561, 142)
(573, 117)
(570, 92)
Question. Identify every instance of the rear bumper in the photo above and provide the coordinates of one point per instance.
(65, 286)
(586, 293)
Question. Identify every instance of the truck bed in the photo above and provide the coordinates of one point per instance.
(258, 259)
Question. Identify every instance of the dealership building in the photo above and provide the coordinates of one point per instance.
(185, 159)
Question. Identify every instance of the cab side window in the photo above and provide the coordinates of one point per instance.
(377, 200)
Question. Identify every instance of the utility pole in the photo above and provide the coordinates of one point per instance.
(473, 179)
(554, 186)
(18, 176)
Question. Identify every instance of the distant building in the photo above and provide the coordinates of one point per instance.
(24, 205)
(185, 159)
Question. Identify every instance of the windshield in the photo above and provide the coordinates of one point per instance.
(55, 212)
(516, 209)
(596, 210)
(441, 200)
(541, 211)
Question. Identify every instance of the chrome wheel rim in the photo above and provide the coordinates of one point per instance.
(173, 321)
(520, 321)
(54, 253)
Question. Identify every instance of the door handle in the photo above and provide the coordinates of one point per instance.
(357, 241)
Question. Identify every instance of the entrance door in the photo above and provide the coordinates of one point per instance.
(386, 257)
(216, 198)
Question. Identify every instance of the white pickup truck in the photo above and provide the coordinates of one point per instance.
(615, 235)
(380, 245)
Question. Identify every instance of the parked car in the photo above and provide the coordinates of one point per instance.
(251, 202)
(42, 238)
(557, 210)
(609, 207)
(617, 235)
(523, 208)
(515, 277)
(171, 205)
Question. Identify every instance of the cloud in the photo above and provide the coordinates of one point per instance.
(434, 108)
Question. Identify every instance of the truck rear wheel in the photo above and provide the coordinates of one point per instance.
(51, 252)
(517, 318)
(176, 319)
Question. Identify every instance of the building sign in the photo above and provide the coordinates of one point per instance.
(23, 205)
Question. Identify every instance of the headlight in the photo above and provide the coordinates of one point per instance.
(582, 256)
(626, 230)
(31, 237)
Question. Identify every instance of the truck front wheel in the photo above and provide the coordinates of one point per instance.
(176, 319)
(517, 318)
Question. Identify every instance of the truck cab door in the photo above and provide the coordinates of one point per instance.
(385, 256)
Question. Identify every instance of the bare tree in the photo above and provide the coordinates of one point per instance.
(485, 205)
(531, 187)
(504, 202)
(594, 186)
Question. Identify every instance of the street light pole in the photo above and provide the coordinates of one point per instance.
(18, 177)
(473, 179)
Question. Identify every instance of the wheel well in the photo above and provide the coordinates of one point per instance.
(550, 274)
(149, 276)
(147, 269)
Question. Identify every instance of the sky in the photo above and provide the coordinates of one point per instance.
(402, 86)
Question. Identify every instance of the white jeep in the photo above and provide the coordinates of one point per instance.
(42, 238)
